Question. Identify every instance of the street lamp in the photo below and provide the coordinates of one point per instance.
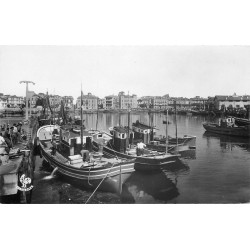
(27, 82)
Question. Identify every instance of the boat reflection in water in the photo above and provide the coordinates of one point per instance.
(154, 187)
(229, 142)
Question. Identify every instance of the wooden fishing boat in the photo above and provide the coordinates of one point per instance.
(227, 127)
(147, 134)
(241, 121)
(117, 145)
(68, 161)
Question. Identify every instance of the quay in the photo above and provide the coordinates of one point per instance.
(17, 165)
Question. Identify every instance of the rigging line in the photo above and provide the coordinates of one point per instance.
(113, 151)
(99, 184)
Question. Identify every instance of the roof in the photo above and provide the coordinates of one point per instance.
(141, 125)
(87, 97)
(72, 134)
(109, 96)
(232, 98)
(120, 129)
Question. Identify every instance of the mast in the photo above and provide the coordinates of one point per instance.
(74, 111)
(128, 118)
(81, 119)
(176, 132)
(47, 109)
(166, 131)
(54, 109)
(97, 116)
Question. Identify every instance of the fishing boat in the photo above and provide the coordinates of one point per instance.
(148, 135)
(120, 144)
(88, 168)
(70, 155)
(227, 126)
(241, 121)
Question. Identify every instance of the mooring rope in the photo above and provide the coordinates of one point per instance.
(99, 184)
(113, 151)
(89, 176)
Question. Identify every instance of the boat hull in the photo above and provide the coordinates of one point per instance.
(241, 121)
(144, 163)
(231, 131)
(184, 143)
(88, 177)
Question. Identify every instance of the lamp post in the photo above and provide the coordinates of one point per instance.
(26, 110)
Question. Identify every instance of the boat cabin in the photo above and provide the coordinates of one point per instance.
(70, 142)
(143, 132)
(43, 122)
(120, 138)
(155, 143)
(227, 122)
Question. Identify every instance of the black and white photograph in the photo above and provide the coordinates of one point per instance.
(124, 124)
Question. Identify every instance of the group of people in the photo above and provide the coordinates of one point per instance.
(11, 135)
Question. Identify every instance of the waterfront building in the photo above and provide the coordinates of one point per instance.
(3, 102)
(233, 101)
(89, 102)
(127, 101)
(14, 101)
(181, 102)
(198, 101)
(145, 102)
(102, 103)
(68, 101)
(112, 102)
(55, 100)
(159, 102)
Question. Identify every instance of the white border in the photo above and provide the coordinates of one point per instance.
(124, 23)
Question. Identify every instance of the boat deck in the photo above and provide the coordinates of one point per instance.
(78, 162)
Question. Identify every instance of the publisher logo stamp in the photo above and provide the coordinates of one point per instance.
(26, 181)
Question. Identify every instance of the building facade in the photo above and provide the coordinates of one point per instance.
(68, 101)
(159, 102)
(233, 101)
(3, 102)
(181, 102)
(198, 101)
(14, 101)
(112, 102)
(102, 103)
(55, 100)
(89, 102)
(127, 101)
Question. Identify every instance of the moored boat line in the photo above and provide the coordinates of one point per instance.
(227, 126)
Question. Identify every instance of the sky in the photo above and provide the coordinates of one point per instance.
(180, 71)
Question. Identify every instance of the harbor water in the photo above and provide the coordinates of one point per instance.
(218, 171)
